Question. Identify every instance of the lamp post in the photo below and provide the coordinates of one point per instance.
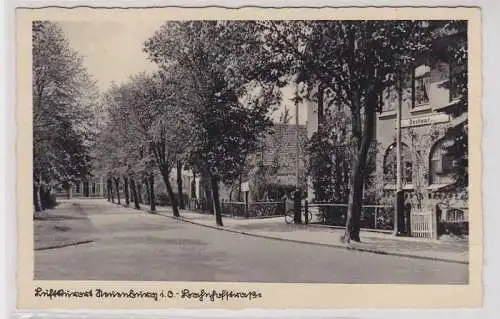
(297, 158)
(297, 195)
(399, 195)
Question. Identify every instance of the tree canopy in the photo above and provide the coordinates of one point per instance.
(64, 97)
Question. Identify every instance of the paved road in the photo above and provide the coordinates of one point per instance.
(133, 245)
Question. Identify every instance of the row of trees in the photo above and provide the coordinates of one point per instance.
(194, 112)
(208, 105)
(63, 127)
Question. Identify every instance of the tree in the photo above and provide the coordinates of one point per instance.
(158, 114)
(120, 145)
(458, 53)
(356, 60)
(62, 125)
(212, 59)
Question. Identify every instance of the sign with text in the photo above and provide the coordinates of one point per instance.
(245, 187)
(425, 120)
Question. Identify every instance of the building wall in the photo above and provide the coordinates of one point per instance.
(423, 125)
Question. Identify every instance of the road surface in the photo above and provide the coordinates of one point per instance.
(132, 245)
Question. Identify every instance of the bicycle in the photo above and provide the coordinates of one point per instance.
(290, 215)
(265, 210)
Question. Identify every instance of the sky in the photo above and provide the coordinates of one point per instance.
(112, 52)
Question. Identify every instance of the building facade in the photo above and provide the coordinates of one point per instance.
(429, 103)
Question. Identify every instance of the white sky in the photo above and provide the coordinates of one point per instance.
(112, 52)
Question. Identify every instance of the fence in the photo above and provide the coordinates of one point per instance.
(373, 217)
(241, 209)
(253, 209)
(64, 195)
(423, 223)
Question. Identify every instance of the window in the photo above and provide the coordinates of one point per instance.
(389, 99)
(421, 85)
(441, 163)
(390, 163)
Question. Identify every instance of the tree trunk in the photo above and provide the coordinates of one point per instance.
(165, 175)
(139, 193)
(69, 190)
(134, 193)
(126, 190)
(41, 190)
(152, 198)
(214, 183)
(321, 108)
(353, 218)
(108, 187)
(146, 183)
(193, 187)
(239, 186)
(117, 185)
(179, 185)
(110, 183)
(46, 198)
(206, 201)
(36, 197)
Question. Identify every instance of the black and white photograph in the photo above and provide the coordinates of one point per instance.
(287, 151)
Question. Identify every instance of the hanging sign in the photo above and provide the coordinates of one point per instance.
(425, 120)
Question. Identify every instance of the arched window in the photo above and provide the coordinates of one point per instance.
(390, 163)
(441, 163)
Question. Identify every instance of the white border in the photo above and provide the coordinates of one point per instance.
(491, 105)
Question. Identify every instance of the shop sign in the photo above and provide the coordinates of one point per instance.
(425, 120)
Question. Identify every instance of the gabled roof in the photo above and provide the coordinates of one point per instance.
(281, 144)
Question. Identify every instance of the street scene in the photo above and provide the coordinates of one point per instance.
(251, 151)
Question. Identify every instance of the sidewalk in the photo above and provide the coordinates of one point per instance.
(65, 225)
(381, 243)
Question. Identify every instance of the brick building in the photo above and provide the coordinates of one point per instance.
(275, 163)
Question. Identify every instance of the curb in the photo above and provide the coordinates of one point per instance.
(74, 243)
(345, 247)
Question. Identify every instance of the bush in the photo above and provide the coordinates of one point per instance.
(49, 200)
(455, 229)
(163, 199)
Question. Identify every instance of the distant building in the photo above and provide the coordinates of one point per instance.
(275, 163)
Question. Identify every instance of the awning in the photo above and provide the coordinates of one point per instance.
(462, 118)
(435, 187)
(452, 103)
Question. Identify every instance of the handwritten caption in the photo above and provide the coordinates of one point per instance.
(186, 294)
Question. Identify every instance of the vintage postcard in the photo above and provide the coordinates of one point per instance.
(249, 158)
